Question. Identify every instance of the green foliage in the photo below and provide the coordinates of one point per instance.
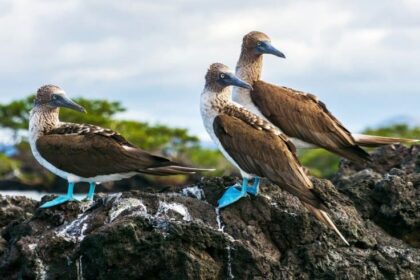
(209, 158)
(321, 163)
(398, 130)
(15, 115)
(154, 137)
(7, 165)
(99, 112)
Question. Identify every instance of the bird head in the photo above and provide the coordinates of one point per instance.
(220, 76)
(259, 43)
(52, 97)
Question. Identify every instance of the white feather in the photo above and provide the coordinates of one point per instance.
(208, 114)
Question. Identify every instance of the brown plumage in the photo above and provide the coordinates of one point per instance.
(255, 146)
(265, 154)
(89, 151)
(261, 150)
(299, 115)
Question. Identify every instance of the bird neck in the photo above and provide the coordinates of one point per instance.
(248, 69)
(213, 102)
(249, 66)
(43, 120)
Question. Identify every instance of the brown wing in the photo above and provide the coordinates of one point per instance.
(265, 154)
(88, 154)
(302, 116)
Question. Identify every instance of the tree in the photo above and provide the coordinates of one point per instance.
(397, 130)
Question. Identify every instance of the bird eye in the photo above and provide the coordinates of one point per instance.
(222, 76)
(258, 43)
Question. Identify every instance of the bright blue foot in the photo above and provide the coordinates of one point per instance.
(61, 199)
(233, 194)
(91, 192)
(255, 188)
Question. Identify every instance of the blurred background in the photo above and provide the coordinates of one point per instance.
(138, 67)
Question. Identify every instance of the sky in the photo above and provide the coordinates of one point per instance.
(361, 58)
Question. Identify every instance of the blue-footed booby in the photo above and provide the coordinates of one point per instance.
(253, 145)
(301, 116)
(86, 153)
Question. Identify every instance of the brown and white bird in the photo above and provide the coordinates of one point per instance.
(299, 115)
(253, 145)
(86, 153)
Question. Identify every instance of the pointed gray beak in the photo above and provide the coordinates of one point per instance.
(231, 80)
(267, 48)
(60, 100)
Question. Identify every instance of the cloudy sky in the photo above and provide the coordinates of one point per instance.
(362, 58)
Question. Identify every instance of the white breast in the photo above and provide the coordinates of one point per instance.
(208, 114)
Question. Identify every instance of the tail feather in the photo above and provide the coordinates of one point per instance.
(322, 216)
(177, 170)
(376, 141)
(354, 153)
(191, 169)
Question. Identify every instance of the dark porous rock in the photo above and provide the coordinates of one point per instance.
(388, 191)
(176, 233)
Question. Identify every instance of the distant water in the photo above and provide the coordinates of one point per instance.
(34, 194)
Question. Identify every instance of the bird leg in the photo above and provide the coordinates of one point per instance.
(61, 199)
(91, 192)
(255, 188)
(233, 194)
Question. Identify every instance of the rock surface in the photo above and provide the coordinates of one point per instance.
(175, 233)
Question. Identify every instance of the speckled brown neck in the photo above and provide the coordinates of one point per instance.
(221, 98)
(43, 120)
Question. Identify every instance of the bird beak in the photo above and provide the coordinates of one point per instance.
(60, 100)
(267, 48)
(232, 80)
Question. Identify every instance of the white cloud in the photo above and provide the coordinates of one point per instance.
(148, 54)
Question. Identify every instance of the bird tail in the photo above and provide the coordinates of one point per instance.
(353, 153)
(177, 170)
(322, 216)
(376, 141)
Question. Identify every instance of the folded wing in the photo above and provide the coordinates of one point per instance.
(301, 115)
(89, 151)
(265, 154)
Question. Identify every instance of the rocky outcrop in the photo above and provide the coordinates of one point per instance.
(176, 233)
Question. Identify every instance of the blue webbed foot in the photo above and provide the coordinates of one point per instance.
(61, 199)
(90, 194)
(233, 194)
(255, 188)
